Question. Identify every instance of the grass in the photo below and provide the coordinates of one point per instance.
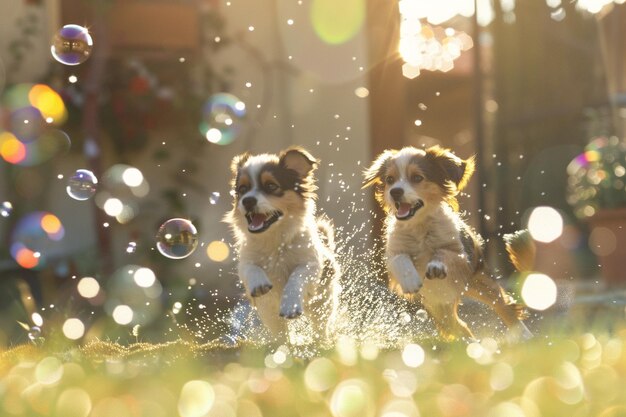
(574, 374)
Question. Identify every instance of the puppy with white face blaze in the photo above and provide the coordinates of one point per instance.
(286, 253)
(433, 256)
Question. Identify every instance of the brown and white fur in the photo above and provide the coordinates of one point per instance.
(426, 237)
(282, 246)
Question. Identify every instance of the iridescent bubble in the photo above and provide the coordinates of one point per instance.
(71, 45)
(6, 208)
(214, 198)
(82, 185)
(177, 238)
(222, 117)
(34, 333)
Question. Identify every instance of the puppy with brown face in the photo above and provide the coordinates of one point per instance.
(426, 237)
(282, 246)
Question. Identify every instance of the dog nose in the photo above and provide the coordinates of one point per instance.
(249, 203)
(396, 193)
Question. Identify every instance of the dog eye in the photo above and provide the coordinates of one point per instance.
(270, 186)
(242, 189)
(417, 178)
(389, 179)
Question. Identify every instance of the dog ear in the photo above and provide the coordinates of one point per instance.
(373, 174)
(455, 169)
(298, 160)
(238, 161)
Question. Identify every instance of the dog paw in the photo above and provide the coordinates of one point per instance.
(290, 310)
(436, 269)
(260, 289)
(410, 282)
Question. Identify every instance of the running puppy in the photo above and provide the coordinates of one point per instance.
(426, 237)
(282, 246)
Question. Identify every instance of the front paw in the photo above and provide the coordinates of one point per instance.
(436, 269)
(260, 289)
(290, 310)
(410, 281)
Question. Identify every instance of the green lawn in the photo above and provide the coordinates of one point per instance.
(571, 375)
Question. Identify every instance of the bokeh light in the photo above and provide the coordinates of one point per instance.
(34, 239)
(49, 143)
(12, 149)
(122, 314)
(113, 207)
(88, 287)
(120, 190)
(71, 45)
(73, 328)
(413, 355)
(222, 118)
(336, 22)
(49, 103)
(602, 241)
(539, 291)
(73, 402)
(177, 238)
(545, 224)
(196, 399)
(217, 251)
(321, 375)
(144, 277)
(132, 177)
(82, 185)
(351, 398)
(49, 371)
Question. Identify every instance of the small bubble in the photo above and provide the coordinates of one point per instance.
(6, 208)
(177, 238)
(131, 248)
(214, 198)
(82, 185)
(34, 333)
(422, 315)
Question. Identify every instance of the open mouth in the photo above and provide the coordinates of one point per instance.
(405, 211)
(260, 222)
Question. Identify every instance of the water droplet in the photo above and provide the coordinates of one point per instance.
(177, 238)
(422, 315)
(34, 333)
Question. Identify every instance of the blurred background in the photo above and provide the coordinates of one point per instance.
(161, 94)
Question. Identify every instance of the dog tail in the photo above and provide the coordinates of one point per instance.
(521, 249)
(327, 232)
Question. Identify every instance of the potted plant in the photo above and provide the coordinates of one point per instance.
(597, 193)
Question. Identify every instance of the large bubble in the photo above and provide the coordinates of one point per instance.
(222, 117)
(177, 238)
(71, 45)
(34, 239)
(82, 185)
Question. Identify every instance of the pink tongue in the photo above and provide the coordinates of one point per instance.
(257, 222)
(403, 210)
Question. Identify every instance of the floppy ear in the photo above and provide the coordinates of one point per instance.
(298, 160)
(373, 174)
(236, 164)
(454, 169)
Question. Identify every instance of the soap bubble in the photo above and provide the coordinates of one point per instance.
(82, 185)
(222, 115)
(214, 198)
(71, 45)
(177, 238)
(34, 333)
(6, 208)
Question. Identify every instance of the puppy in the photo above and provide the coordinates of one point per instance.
(426, 237)
(283, 248)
